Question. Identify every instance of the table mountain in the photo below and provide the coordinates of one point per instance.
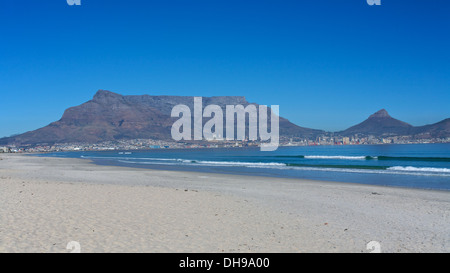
(110, 116)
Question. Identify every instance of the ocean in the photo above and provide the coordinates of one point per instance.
(424, 166)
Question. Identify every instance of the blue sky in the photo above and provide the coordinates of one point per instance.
(328, 64)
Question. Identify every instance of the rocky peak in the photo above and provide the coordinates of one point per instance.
(381, 114)
(105, 96)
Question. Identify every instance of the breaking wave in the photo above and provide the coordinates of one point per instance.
(380, 158)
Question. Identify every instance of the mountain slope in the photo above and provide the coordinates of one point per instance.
(379, 124)
(436, 130)
(110, 116)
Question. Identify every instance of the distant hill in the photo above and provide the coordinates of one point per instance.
(379, 124)
(382, 124)
(110, 116)
(437, 130)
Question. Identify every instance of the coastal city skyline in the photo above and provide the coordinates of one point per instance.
(325, 69)
(111, 121)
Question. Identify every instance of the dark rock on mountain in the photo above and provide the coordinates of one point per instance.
(379, 124)
(382, 124)
(436, 130)
(110, 116)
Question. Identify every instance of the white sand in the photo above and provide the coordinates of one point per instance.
(47, 202)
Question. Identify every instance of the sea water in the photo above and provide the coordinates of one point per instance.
(425, 166)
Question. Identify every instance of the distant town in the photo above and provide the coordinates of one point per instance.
(146, 144)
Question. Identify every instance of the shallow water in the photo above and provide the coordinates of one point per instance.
(424, 166)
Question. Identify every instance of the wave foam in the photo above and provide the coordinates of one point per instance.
(335, 157)
(416, 169)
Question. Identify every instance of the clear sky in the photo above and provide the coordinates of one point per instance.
(329, 64)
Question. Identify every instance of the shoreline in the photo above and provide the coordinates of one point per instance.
(246, 176)
(243, 176)
(127, 209)
(328, 179)
(233, 147)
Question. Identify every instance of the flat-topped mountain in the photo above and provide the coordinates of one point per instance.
(111, 116)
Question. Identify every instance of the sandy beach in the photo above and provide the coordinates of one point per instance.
(45, 203)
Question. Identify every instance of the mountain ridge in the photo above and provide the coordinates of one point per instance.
(110, 116)
(378, 124)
